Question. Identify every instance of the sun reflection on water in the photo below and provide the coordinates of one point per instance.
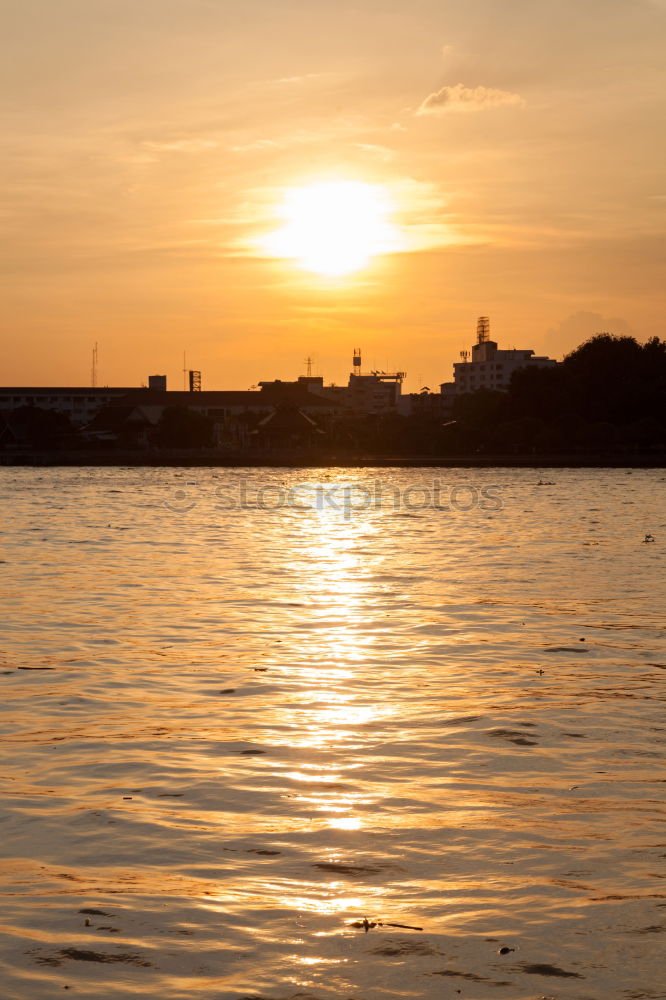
(346, 823)
(326, 715)
(330, 710)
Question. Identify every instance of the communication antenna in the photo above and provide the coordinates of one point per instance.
(356, 362)
(93, 368)
(308, 367)
(184, 372)
(464, 356)
(483, 330)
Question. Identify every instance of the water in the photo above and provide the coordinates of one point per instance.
(245, 710)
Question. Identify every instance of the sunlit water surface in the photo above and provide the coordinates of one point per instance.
(240, 717)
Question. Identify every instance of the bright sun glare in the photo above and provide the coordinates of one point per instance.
(334, 227)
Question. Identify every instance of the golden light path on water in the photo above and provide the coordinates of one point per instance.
(332, 733)
(326, 713)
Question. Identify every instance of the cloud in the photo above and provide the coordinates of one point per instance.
(257, 145)
(182, 145)
(300, 79)
(579, 327)
(381, 152)
(461, 98)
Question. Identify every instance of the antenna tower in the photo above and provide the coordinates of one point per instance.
(464, 355)
(308, 367)
(93, 368)
(483, 330)
(356, 362)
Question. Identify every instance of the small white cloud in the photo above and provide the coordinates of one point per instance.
(381, 152)
(299, 79)
(182, 146)
(258, 144)
(461, 98)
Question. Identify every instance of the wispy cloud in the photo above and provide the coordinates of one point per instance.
(335, 130)
(181, 145)
(462, 98)
(381, 152)
(256, 145)
(301, 79)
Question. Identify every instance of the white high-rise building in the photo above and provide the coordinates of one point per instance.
(488, 367)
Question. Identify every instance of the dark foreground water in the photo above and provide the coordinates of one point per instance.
(334, 735)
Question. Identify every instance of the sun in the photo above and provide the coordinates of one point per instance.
(334, 227)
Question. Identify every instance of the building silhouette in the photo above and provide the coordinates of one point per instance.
(487, 366)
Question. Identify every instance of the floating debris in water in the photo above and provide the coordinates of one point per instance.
(365, 924)
(368, 925)
(406, 927)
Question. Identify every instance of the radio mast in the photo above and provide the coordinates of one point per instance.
(93, 367)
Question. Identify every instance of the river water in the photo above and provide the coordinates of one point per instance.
(333, 734)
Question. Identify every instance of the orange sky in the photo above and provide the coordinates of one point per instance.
(150, 142)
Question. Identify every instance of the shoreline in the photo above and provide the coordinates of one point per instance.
(214, 459)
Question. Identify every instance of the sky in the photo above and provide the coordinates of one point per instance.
(152, 145)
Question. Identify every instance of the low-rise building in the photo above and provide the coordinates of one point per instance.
(233, 414)
(375, 392)
(79, 404)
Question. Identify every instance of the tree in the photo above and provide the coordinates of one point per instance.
(38, 428)
(610, 378)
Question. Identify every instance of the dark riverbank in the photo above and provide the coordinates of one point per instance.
(213, 458)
